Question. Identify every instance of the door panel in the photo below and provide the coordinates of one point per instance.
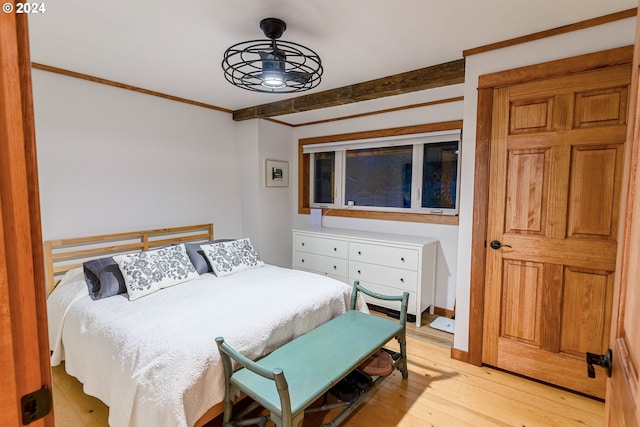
(601, 107)
(522, 291)
(557, 150)
(527, 192)
(586, 314)
(591, 192)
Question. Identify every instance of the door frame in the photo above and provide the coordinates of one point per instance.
(486, 84)
(24, 353)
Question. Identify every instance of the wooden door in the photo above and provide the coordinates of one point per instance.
(24, 348)
(557, 149)
(623, 389)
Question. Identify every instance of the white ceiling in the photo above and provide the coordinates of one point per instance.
(176, 47)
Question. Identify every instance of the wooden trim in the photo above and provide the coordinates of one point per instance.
(439, 311)
(425, 78)
(612, 57)
(388, 216)
(576, 64)
(460, 355)
(34, 208)
(62, 255)
(304, 170)
(280, 122)
(25, 345)
(479, 228)
(388, 110)
(100, 80)
(383, 133)
(621, 396)
(553, 32)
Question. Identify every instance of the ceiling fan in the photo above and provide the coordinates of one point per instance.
(272, 66)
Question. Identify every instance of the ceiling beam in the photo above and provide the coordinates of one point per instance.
(445, 74)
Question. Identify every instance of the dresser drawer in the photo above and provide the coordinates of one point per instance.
(384, 255)
(389, 276)
(338, 278)
(320, 264)
(385, 290)
(319, 245)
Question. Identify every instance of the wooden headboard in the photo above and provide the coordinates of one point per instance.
(63, 255)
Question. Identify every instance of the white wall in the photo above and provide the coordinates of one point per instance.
(276, 202)
(266, 211)
(113, 160)
(446, 263)
(616, 34)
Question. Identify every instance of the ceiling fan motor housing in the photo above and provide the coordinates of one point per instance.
(273, 28)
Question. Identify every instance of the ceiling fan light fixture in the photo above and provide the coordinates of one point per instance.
(273, 82)
(270, 66)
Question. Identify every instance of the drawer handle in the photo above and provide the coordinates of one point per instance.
(335, 249)
(359, 253)
(358, 271)
(402, 259)
(302, 260)
(335, 268)
(401, 280)
(302, 243)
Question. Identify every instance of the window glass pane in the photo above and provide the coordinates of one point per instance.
(324, 176)
(379, 177)
(440, 175)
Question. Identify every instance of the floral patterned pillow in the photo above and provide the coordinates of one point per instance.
(230, 257)
(149, 271)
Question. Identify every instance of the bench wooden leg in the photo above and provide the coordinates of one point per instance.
(402, 340)
(228, 412)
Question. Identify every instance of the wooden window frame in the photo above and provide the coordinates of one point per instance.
(304, 172)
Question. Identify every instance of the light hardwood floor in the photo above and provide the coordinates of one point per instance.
(440, 392)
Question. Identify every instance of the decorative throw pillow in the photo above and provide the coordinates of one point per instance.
(230, 257)
(149, 271)
(197, 257)
(104, 278)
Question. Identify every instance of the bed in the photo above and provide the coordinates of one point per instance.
(153, 360)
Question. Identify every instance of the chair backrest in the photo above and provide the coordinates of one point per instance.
(404, 300)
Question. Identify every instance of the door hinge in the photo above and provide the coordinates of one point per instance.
(604, 360)
(36, 405)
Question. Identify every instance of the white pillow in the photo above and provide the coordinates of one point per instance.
(230, 257)
(149, 271)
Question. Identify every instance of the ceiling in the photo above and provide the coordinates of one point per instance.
(176, 47)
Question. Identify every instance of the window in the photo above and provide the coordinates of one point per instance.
(440, 175)
(379, 177)
(410, 173)
(324, 177)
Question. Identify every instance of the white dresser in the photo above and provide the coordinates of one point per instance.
(383, 263)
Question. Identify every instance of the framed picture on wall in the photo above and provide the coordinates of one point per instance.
(276, 173)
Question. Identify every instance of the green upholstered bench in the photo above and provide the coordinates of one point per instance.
(288, 380)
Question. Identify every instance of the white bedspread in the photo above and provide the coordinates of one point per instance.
(154, 361)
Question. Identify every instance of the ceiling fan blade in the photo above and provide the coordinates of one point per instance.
(298, 76)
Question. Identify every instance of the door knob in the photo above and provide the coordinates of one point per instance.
(604, 360)
(496, 244)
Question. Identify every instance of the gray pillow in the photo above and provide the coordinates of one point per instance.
(104, 278)
(197, 256)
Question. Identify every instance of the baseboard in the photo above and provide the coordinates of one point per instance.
(439, 311)
(396, 314)
(460, 355)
